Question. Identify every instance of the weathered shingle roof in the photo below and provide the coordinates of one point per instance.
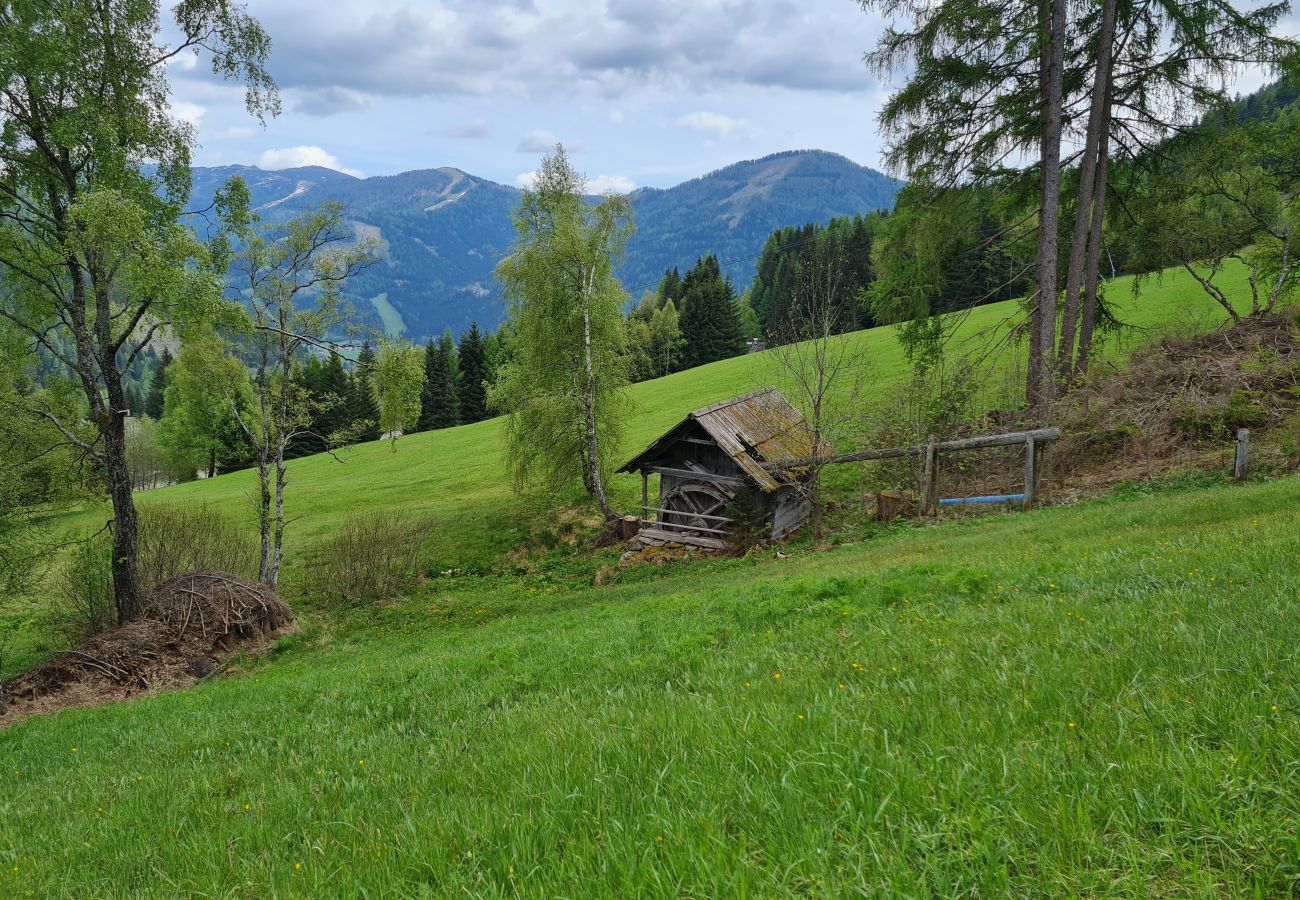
(753, 429)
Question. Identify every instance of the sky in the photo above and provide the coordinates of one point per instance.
(641, 92)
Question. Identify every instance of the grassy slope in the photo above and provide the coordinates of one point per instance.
(457, 474)
(1100, 699)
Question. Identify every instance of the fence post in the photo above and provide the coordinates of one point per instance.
(930, 479)
(1031, 473)
(645, 494)
(1241, 461)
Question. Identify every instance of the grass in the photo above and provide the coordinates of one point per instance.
(1100, 699)
(457, 474)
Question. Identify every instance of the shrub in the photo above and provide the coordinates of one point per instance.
(177, 539)
(171, 540)
(1289, 439)
(371, 556)
(83, 592)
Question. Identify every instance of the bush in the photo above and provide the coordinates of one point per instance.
(1289, 439)
(83, 592)
(371, 556)
(171, 540)
(174, 540)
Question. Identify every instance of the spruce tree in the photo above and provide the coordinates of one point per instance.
(154, 403)
(363, 406)
(438, 406)
(710, 321)
(335, 394)
(473, 376)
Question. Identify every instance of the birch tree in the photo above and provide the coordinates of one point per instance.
(94, 175)
(290, 276)
(562, 389)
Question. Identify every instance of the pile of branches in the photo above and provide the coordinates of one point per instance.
(189, 624)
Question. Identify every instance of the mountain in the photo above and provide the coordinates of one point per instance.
(442, 231)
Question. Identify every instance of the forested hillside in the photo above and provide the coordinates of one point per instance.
(442, 231)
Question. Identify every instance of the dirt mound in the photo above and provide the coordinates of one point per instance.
(190, 623)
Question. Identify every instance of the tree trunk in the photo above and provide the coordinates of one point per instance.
(212, 462)
(1089, 322)
(264, 517)
(592, 461)
(1052, 20)
(277, 549)
(126, 585)
(1088, 170)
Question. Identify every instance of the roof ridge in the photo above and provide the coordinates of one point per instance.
(733, 401)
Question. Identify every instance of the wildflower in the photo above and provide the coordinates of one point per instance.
(659, 839)
(248, 807)
(74, 749)
(361, 762)
(297, 867)
(777, 676)
(746, 684)
(800, 717)
(1274, 707)
(1073, 725)
(841, 686)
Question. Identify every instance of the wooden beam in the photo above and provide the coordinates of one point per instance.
(660, 523)
(728, 480)
(645, 494)
(929, 479)
(1241, 461)
(1040, 435)
(682, 512)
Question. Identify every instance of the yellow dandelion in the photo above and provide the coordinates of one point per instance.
(841, 686)
(659, 839)
(248, 807)
(777, 676)
(297, 867)
(800, 717)
(746, 684)
(1073, 725)
(1274, 707)
(74, 749)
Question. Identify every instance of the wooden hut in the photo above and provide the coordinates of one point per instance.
(724, 457)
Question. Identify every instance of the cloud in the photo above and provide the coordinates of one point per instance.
(715, 124)
(188, 112)
(523, 49)
(610, 184)
(298, 157)
(235, 133)
(331, 101)
(466, 131)
(601, 184)
(537, 142)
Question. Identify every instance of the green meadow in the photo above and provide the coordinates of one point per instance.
(1098, 699)
(457, 474)
(1093, 700)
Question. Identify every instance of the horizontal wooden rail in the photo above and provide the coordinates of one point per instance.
(690, 475)
(1038, 436)
(682, 512)
(659, 523)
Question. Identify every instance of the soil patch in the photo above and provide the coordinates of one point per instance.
(191, 624)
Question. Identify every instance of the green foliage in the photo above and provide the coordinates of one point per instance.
(399, 374)
(198, 429)
(370, 556)
(471, 398)
(562, 387)
(440, 392)
(710, 321)
(155, 400)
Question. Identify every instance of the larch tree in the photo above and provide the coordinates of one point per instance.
(94, 175)
(561, 389)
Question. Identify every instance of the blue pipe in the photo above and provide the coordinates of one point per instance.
(993, 498)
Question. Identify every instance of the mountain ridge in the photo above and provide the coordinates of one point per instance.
(443, 229)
